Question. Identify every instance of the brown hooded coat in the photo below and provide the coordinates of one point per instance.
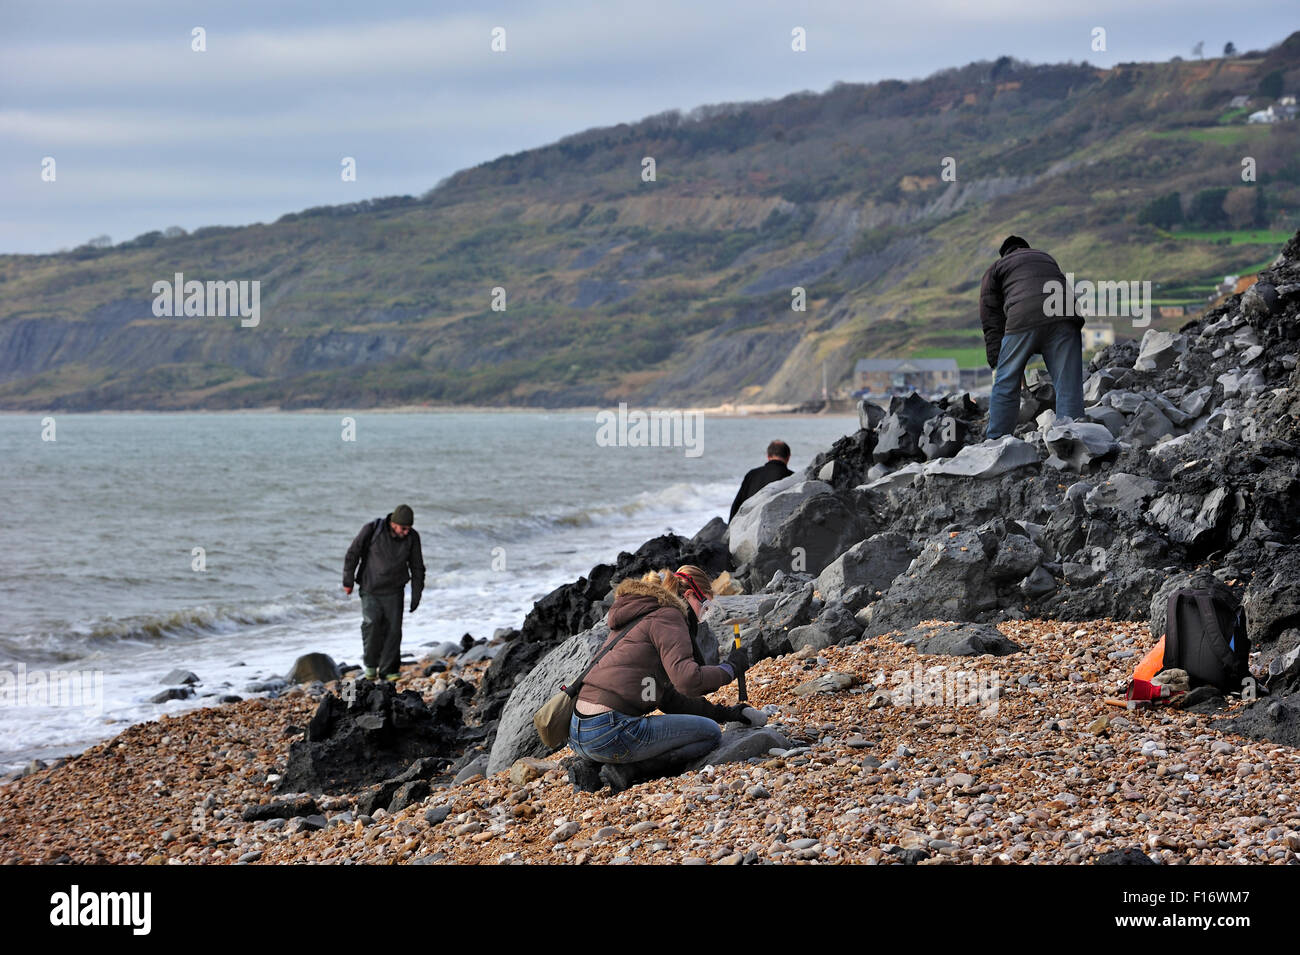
(653, 666)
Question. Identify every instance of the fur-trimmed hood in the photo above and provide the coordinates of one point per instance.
(633, 596)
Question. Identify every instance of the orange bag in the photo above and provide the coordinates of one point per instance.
(1152, 663)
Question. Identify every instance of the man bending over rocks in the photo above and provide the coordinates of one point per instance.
(1016, 327)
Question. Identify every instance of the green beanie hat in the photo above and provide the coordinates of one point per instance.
(403, 515)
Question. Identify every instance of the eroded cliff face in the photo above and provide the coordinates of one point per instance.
(558, 277)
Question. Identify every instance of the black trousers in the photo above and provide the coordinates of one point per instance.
(381, 631)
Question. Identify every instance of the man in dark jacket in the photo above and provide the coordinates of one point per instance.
(382, 558)
(778, 457)
(1017, 327)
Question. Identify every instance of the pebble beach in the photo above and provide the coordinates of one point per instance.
(1043, 771)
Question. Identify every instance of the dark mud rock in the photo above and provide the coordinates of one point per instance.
(1159, 350)
(351, 745)
(179, 678)
(1272, 599)
(834, 625)
(792, 610)
(408, 794)
(819, 530)
(1272, 718)
(959, 640)
(870, 415)
(1193, 520)
(172, 693)
(944, 436)
(759, 518)
(872, 563)
(1128, 856)
(898, 436)
(1017, 556)
(949, 580)
(287, 808)
(987, 460)
(1077, 444)
(739, 744)
(1119, 491)
(311, 667)
(847, 462)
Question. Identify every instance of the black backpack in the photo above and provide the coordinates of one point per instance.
(1205, 635)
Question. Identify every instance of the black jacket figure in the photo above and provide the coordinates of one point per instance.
(1012, 296)
(756, 479)
(386, 561)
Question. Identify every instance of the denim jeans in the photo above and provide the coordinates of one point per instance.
(617, 738)
(1061, 345)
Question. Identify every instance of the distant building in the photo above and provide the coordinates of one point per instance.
(1098, 335)
(1263, 116)
(1171, 311)
(1239, 102)
(1286, 101)
(973, 379)
(884, 376)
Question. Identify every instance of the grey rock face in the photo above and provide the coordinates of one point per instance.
(1077, 444)
(516, 735)
(872, 563)
(311, 667)
(759, 518)
(987, 460)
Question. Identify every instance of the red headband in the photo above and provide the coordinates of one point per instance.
(691, 585)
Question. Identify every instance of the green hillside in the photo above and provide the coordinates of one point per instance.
(678, 291)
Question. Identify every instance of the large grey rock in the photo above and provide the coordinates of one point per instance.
(902, 477)
(758, 519)
(1077, 444)
(311, 667)
(1159, 350)
(1122, 492)
(1148, 425)
(1114, 421)
(480, 651)
(1193, 403)
(872, 563)
(835, 625)
(1190, 519)
(816, 532)
(960, 640)
(898, 436)
(942, 437)
(870, 415)
(1017, 556)
(986, 460)
(1272, 600)
(477, 765)
(179, 678)
(752, 607)
(949, 580)
(741, 743)
(516, 735)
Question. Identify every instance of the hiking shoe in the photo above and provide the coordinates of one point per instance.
(584, 774)
(371, 673)
(392, 677)
(616, 777)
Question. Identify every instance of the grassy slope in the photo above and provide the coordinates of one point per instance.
(748, 199)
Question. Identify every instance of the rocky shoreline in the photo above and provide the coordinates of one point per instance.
(1185, 468)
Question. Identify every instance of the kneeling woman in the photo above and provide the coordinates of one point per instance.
(654, 665)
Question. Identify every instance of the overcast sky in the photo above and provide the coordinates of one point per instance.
(147, 133)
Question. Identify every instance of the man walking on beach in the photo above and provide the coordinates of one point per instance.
(382, 558)
(778, 456)
(1016, 327)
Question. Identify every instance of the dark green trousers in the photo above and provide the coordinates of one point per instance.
(381, 631)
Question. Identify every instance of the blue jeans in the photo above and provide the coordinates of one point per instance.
(614, 737)
(1061, 345)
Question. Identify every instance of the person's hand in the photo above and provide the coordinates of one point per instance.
(348, 591)
(415, 602)
(738, 660)
(743, 713)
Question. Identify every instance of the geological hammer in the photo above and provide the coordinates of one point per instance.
(735, 635)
